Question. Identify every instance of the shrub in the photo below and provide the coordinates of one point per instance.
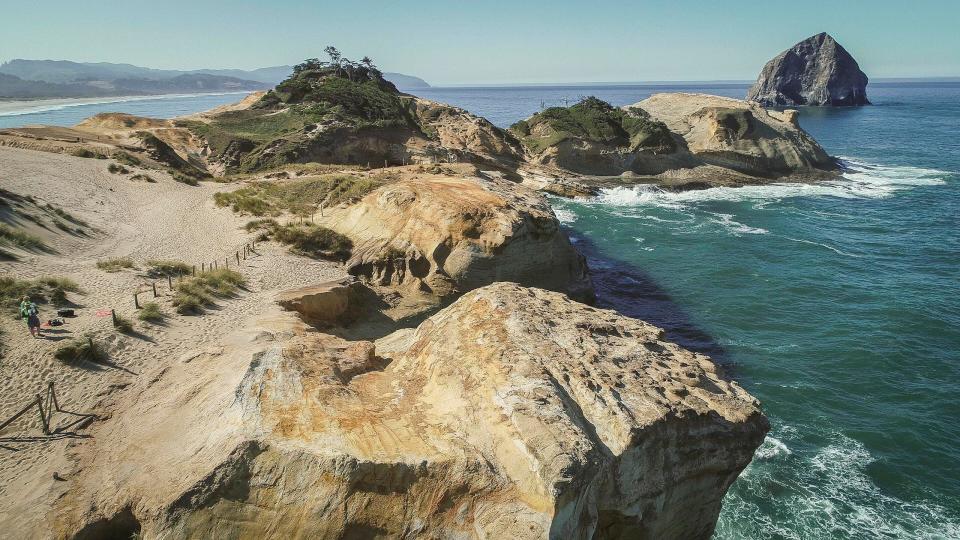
(80, 349)
(314, 241)
(160, 267)
(146, 178)
(115, 264)
(117, 169)
(150, 312)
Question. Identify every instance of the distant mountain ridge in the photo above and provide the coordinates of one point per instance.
(26, 79)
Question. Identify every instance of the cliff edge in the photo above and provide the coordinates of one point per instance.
(512, 413)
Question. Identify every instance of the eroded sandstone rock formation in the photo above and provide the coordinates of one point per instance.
(445, 234)
(738, 135)
(513, 413)
(816, 71)
(715, 140)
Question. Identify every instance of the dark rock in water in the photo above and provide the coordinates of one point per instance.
(816, 71)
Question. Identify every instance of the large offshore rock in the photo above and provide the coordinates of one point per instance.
(512, 413)
(448, 233)
(816, 71)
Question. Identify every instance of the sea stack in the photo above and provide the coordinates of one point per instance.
(817, 71)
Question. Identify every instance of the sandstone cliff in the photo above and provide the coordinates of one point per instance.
(513, 413)
(453, 231)
(816, 71)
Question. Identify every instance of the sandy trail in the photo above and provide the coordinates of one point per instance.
(142, 221)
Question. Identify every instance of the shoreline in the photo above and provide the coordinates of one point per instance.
(19, 107)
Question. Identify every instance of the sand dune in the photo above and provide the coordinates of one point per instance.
(142, 221)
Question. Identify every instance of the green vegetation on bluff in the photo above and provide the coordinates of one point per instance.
(287, 122)
(597, 121)
(299, 197)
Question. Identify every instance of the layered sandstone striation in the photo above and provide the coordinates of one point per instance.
(513, 413)
(444, 234)
(816, 71)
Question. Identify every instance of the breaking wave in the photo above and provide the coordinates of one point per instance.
(830, 495)
(860, 180)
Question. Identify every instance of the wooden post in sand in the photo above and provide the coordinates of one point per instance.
(136, 301)
(194, 269)
(154, 284)
(113, 315)
(43, 416)
(203, 267)
(238, 256)
(169, 282)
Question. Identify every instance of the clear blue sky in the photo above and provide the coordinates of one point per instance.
(492, 41)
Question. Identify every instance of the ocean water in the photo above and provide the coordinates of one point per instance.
(836, 304)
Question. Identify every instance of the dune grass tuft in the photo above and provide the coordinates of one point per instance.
(313, 241)
(115, 264)
(11, 236)
(122, 324)
(79, 349)
(193, 294)
(46, 289)
(150, 312)
(162, 267)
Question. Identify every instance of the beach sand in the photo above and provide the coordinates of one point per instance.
(135, 219)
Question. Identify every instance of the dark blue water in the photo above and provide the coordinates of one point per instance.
(836, 304)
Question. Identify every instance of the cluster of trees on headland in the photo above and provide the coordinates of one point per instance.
(341, 65)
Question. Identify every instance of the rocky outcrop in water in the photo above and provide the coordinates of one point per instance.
(679, 139)
(816, 71)
(513, 413)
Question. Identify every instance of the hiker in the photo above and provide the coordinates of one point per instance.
(30, 312)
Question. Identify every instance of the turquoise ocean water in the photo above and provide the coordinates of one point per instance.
(836, 304)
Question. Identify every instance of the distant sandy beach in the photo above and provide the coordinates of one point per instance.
(20, 107)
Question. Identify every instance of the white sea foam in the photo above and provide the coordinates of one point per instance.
(830, 495)
(19, 108)
(735, 227)
(565, 215)
(860, 180)
(771, 448)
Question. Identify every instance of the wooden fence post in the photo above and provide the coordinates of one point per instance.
(113, 316)
(203, 267)
(169, 282)
(43, 416)
(154, 289)
(238, 256)
(194, 269)
(136, 301)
